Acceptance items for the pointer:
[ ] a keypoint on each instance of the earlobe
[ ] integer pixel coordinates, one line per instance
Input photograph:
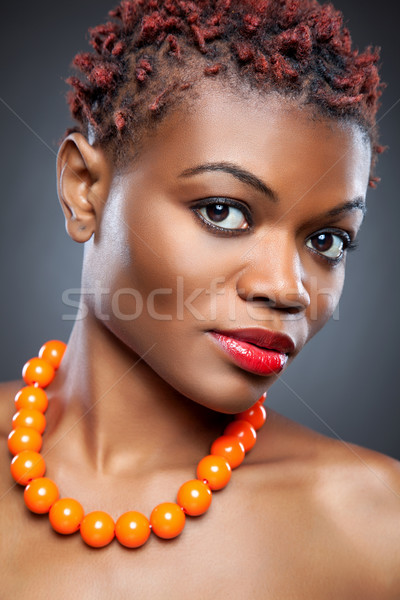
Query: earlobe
(83, 182)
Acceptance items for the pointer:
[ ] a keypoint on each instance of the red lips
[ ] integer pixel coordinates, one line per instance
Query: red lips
(256, 350)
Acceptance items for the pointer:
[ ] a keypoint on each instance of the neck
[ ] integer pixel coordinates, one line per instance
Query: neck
(108, 402)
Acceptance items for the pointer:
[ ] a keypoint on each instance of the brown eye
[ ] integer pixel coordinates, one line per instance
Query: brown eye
(224, 215)
(217, 212)
(327, 243)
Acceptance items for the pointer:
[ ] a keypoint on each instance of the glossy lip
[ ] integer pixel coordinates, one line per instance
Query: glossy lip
(255, 350)
(264, 338)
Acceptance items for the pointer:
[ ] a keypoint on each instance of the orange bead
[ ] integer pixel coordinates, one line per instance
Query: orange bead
(216, 470)
(24, 438)
(263, 398)
(231, 448)
(167, 520)
(29, 417)
(27, 465)
(97, 529)
(40, 494)
(194, 497)
(66, 515)
(132, 529)
(52, 352)
(39, 371)
(256, 415)
(31, 397)
(244, 431)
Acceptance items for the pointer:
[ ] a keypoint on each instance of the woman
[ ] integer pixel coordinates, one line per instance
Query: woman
(217, 177)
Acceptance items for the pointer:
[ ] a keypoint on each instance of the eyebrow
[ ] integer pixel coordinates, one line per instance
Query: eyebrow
(250, 179)
(357, 203)
(242, 174)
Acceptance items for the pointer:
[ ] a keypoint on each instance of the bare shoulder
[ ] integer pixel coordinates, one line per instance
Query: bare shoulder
(351, 496)
(358, 477)
(333, 463)
(361, 489)
(368, 481)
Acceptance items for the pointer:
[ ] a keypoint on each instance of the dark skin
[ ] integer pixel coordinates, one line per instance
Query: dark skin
(304, 516)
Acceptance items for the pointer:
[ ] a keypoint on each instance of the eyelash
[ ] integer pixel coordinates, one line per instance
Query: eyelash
(348, 244)
(223, 201)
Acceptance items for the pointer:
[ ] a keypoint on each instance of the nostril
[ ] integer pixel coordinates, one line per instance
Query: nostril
(272, 291)
(292, 310)
(263, 301)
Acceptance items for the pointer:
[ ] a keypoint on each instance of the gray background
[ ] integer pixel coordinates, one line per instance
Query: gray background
(344, 383)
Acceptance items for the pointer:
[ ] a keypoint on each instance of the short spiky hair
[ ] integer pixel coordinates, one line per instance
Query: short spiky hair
(153, 51)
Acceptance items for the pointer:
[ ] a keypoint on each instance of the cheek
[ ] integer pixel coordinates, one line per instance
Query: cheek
(161, 268)
(179, 259)
(162, 300)
(325, 292)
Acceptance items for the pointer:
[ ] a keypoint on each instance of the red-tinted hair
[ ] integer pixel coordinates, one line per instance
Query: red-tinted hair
(152, 51)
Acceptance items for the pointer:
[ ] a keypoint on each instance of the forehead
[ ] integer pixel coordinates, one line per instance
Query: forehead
(290, 147)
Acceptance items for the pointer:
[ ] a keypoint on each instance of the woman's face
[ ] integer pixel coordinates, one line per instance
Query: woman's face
(236, 215)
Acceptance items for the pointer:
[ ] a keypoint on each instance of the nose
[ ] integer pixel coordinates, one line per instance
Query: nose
(274, 274)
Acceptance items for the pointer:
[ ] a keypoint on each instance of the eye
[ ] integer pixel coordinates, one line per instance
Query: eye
(223, 215)
(330, 244)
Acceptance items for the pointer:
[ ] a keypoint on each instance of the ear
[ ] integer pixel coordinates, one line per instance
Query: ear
(84, 176)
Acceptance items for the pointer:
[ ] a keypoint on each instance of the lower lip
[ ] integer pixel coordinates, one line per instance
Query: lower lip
(251, 358)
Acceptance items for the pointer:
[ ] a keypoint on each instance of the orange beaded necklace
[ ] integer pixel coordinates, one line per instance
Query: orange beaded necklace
(97, 528)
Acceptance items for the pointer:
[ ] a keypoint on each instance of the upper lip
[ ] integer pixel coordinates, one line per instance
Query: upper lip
(265, 338)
